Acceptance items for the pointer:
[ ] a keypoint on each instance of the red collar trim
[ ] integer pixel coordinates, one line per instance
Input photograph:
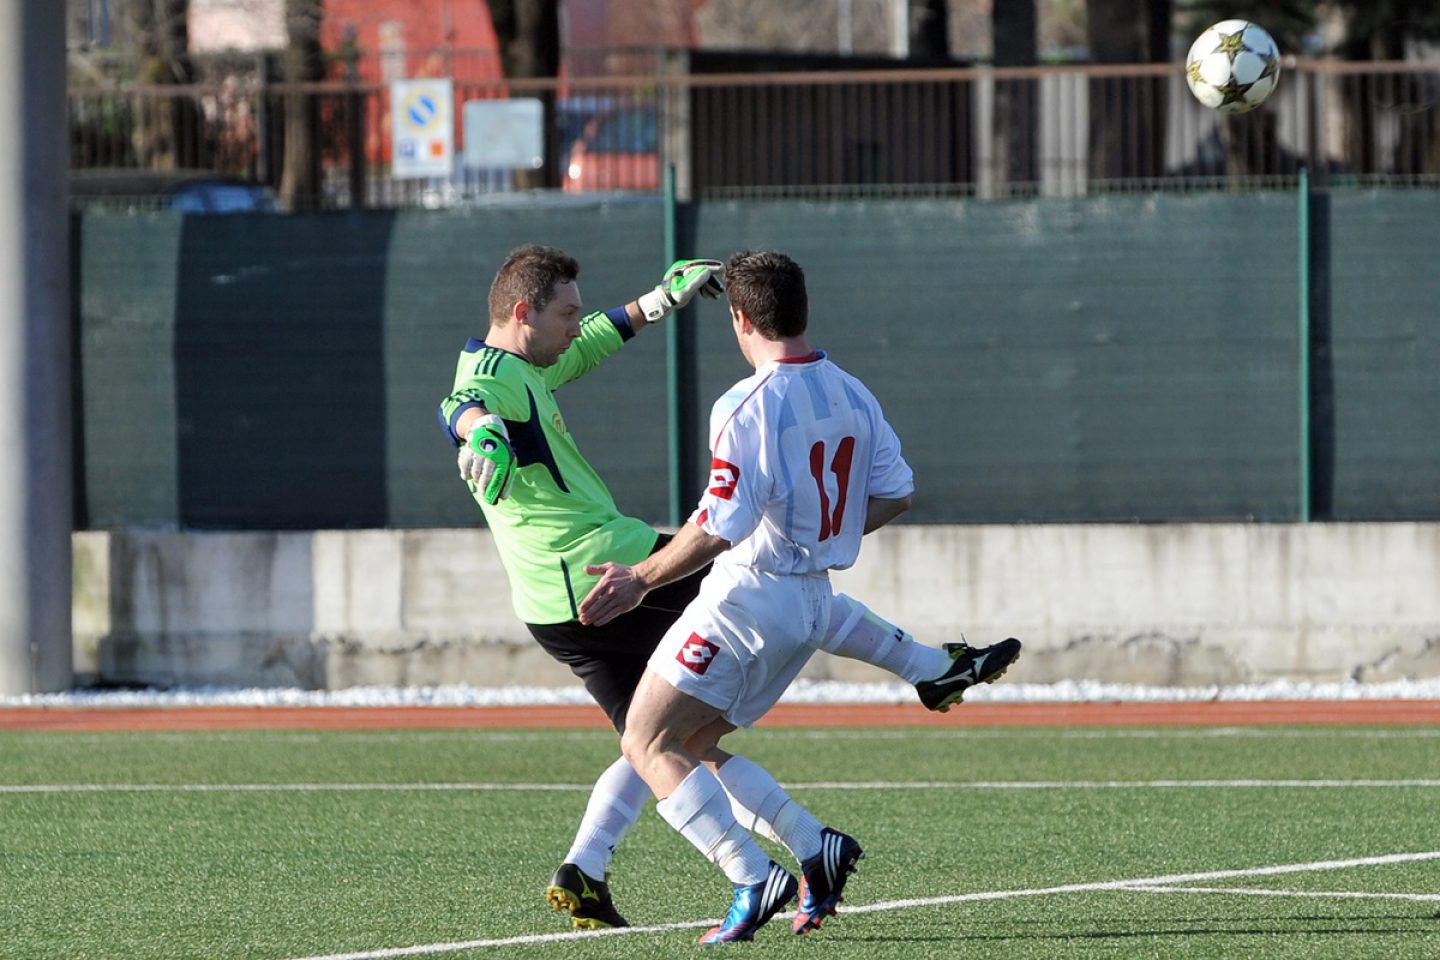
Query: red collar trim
(808, 358)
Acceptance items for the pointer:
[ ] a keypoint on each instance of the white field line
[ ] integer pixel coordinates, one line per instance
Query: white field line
(1317, 894)
(291, 787)
(1140, 884)
(1245, 784)
(1110, 784)
(456, 946)
(1165, 881)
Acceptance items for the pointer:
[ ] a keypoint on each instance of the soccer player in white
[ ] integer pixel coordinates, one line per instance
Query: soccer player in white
(803, 465)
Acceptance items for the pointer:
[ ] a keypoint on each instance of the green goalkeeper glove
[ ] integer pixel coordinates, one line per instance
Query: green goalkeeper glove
(681, 282)
(487, 460)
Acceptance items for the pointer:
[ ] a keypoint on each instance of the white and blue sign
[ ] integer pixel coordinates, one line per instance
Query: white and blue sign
(422, 118)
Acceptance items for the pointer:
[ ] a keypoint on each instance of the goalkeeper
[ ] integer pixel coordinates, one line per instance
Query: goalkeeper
(551, 516)
(550, 513)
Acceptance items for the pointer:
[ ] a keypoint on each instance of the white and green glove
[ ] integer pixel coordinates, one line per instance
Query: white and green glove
(681, 282)
(487, 459)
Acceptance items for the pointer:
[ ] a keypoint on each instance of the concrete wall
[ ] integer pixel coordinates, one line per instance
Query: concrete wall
(1156, 604)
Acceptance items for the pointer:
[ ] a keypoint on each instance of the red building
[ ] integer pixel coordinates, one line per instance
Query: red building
(404, 38)
(455, 38)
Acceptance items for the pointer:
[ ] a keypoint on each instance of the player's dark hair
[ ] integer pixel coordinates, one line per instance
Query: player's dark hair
(530, 273)
(769, 288)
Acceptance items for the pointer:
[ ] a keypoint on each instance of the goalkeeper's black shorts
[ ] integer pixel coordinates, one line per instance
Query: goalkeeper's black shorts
(609, 660)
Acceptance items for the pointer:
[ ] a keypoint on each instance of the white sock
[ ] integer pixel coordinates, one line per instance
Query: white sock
(615, 804)
(700, 810)
(762, 806)
(858, 634)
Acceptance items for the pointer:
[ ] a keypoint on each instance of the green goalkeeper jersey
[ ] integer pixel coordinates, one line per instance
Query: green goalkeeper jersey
(559, 515)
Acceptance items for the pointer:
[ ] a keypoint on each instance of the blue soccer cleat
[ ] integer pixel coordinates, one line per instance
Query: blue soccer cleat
(753, 906)
(823, 879)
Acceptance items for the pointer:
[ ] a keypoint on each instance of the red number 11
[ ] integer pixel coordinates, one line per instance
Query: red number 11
(840, 466)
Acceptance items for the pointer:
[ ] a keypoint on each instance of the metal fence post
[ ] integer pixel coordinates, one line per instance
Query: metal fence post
(673, 406)
(36, 509)
(355, 133)
(1304, 338)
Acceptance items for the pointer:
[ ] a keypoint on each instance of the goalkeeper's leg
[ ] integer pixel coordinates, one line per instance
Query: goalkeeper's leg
(579, 885)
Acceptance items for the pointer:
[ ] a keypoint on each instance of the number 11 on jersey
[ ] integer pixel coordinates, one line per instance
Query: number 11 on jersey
(840, 468)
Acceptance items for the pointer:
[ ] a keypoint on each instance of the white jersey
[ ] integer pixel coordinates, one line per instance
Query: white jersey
(798, 449)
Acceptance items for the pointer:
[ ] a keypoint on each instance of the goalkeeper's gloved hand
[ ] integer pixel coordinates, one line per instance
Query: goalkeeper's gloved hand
(681, 282)
(487, 459)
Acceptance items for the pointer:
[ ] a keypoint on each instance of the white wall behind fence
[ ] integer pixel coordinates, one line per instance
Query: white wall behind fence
(1186, 605)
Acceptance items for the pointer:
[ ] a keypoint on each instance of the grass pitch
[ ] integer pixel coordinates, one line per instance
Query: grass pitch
(1260, 842)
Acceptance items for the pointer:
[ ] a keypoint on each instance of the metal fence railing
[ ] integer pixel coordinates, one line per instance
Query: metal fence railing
(1053, 131)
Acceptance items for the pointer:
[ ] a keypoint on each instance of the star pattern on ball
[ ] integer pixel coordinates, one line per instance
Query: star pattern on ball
(1232, 92)
(1231, 44)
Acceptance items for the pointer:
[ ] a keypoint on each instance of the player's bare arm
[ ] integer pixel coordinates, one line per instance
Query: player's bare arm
(879, 511)
(621, 588)
(636, 316)
(466, 420)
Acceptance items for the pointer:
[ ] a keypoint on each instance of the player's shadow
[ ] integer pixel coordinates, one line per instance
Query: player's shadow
(1349, 925)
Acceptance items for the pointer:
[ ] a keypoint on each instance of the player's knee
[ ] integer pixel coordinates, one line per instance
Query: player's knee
(702, 746)
(640, 745)
(704, 743)
(632, 746)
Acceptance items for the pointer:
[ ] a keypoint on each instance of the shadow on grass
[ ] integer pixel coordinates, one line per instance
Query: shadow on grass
(1283, 926)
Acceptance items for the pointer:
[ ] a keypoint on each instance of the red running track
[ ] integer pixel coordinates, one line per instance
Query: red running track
(1209, 714)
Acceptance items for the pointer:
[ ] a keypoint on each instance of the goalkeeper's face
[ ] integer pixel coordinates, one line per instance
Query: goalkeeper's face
(551, 330)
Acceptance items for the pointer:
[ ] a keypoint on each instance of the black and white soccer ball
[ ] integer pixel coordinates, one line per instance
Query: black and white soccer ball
(1233, 66)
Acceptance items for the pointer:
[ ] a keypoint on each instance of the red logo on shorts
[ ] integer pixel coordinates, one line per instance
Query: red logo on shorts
(723, 477)
(697, 653)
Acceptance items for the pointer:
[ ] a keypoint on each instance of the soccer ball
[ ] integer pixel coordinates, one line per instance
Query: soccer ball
(1233, 66)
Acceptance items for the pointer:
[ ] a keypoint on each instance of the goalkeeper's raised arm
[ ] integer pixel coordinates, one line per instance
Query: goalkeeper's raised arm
(513, 450)
(596, 341)
(535, 315)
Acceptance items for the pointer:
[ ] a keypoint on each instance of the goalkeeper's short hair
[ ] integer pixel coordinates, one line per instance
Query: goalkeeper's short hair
(529, 274)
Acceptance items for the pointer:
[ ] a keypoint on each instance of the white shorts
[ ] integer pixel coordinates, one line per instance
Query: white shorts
(741, 642)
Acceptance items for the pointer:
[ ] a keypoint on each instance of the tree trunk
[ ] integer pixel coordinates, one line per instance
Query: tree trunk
(1157, 88)
(1378, 32)
(1381, 30)
(1013, 28)
(1158, 26)
(528, 32)
(930, 29)
(1250, 144)
(304, 63)
(1127, 115)
(169, 133)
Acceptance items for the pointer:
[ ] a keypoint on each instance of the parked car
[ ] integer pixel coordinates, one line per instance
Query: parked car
(185, 191)
(617, 150)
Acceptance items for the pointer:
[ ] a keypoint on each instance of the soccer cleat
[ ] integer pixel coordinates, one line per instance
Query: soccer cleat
(823, 879)
(753, 906)
(586, 899)
(968, 667)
